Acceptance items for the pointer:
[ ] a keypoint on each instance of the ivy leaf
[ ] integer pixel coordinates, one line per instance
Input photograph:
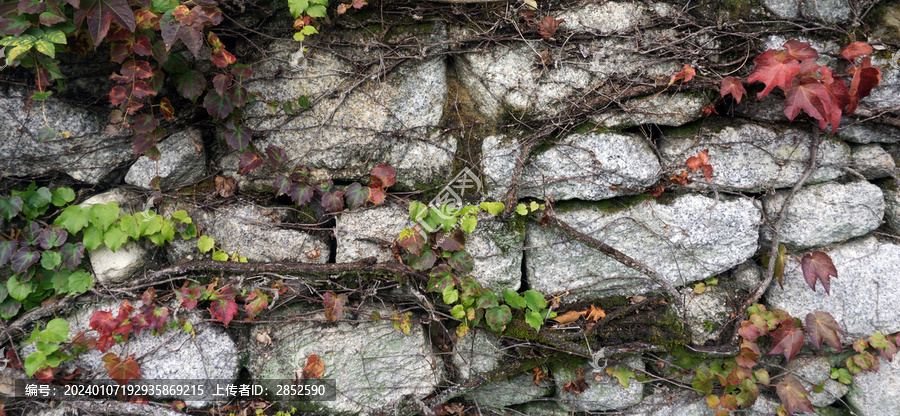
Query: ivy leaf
(122, 371)
(238, 137)
(62, 196)
(514, 299)
(24, 258)
(334, 306)
(314, 368)
(73, 219)
(800, 50)
(103, 322)
(865, 78)
(493, 208)
(166, 109)
(71, 255)
(383, 176)
(190, 84)
(7, 249)
(486, 301)
(809, 95)
(144, 123)
(301, 194)
(221, 82)
(223, 307)
(498, 317)
(822, 327)
(114, 238)
(51, 237)
(282, 185)
(788, 340)
(356, 195)
(548, 26)
(748, 355)
(276, 155)
(172, 30)
(449, 242)
(30, 234)
(248, 162)
(535, 300)
(424, 261)
(411, 240)
(80, 281)
(441, 279)
(50, 259)
(222, 58)
(534, 318)
(417, 211)
(255, 303)
(217, 105)
(855, 50)
(818, 266)
(333, 201)
(461, 261)
(883, 345)
(10, 207)
(100, 13)
(774, 70)
(793, 395)
(18, 290)
(188, 296)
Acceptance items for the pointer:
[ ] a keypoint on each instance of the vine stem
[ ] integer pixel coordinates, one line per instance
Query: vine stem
(779, 221)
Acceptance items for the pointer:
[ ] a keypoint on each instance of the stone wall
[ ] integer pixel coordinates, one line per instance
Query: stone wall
(584, 122)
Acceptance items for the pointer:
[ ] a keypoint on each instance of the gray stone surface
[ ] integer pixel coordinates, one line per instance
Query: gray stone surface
(498, 160)
(109, 266)
(815, 371)
(603, 394)
(88, 154)
(872, 161)
(708, 312)
(668, 402)
(874, 394)
(829, 11)
(514, 390)
(345, 135)
(513, 79)
(865, 295)
(372, 364)
(752, 157)
(498, 249)
(783, 9)
(662, 109)
(173, 355)
(868, 133)
(687, 239)
(478, 352)
(887, 93)
(591, 166)
(369, 232)
(892, 206)
(611, 17)
(181, 162)
(826, 213)
(243, 229)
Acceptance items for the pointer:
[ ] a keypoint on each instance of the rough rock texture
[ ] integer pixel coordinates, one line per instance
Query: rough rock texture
(877, 393)
(117, 266)
(182, 161)
(514, 390)
(868, 133)
(892, 206)
(606, 394)
(344, 136)
(209, 354)
(591, 166)
(88, 154)
(243, 229)
(865, 296)
(498, 159)
(372, 364)
(826, 213)
(753, 157)
(369, 232)
(663, 110)
(815, 371)
(506, 79)
(887, 94)
(708, 312)
(688, 239)
(498, 249)
(784, 9)
(830, 11)
(666, 402)
(872, 161)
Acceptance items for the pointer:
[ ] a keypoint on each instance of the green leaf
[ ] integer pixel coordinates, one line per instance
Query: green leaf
(57, 331)
(205, 243)
(309, 29)
(535, 300)
(514, 299)
(442, 217)
(45, 48)
(534, 206)
(622, 374)
(486, 301)
(9, 308)
(417, 211)
(38, 200)
(18, 290)
(23, 40)
(458, 312)
(103, 215)
(114, 238)
(34, 362)
(316, 11)
(10, 207)
(50, 259)
(41, 96)
(219, 255)
(80, 282)
(62, 196)
(130, 227)
(521, 209)
(73, 219)
(148, 222)
(93, 237)
(841, 375)
(297, 7)
(450, 295)
(16, 52)
(468, 224)
(162, 6)
(534, 319)
(498, 317)
(425, 261)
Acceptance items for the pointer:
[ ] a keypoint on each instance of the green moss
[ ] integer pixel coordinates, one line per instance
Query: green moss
(589, 127)
(612, 302)
(737, 9)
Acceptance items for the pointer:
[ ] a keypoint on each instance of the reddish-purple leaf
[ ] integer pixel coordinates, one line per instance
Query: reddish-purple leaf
(809, 95)
(143, 143)
(821, 326)
(800, 50)
(190, 84)
(788, 340)
(248, 162)
(818, 266)
(223, 310)
(23, 258)
(30, 234)
(241, 72)
(221, 82)
(383, 176)
(793, 395)
(144, 123)
(334, 306)
(333, 201)
(100, 13)
(412, 241)
(255, 303)
(376, 195)
(222, 58)
(276, 155)
(103, 322)
(136, 69)
(356, 195)
(449, 242)
(217, 105)
(733, 86)
(71, 255)
(301, 194)
(855, 50)
(52, 236)
(461, 261)
(238, 137)
(122, 371)
(119, 52)
(282, 185)
(237, 96)
(423, 261)
(173, 30)
(149, 296)
(142, 46)
(748, 355)
(117, 95)
(188, 296)
(166, 108)
(7, 249)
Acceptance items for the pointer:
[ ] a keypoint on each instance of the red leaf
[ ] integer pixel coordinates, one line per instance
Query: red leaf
(46, 374)
(217, 105)
(376, 195)
(146, 19)
(793, 395)
(383, 176)
(166, 108)
(105, 342)
(100, 13)
(808, 67)
(144, 123)
(122, 371)
(255, 303)
(694, 162)
(173, 30)
(342, 8)
(143, 143)
(800, 50)
(788, 340)
(774, 70)
(314, 368)
(334, 306)
(855, 50)
(821, 326)
(222, 58)
(809, 95)
(103, 322)
(686, 74)
(412, 241)
(248, 162)
(117, 95)
(143, 47)
(818, 266)
(748, 355)
(548, 26)
(140, 89)
(136, 69)
(221, 82)
(223, 307)
(865, 78)
(188, 296)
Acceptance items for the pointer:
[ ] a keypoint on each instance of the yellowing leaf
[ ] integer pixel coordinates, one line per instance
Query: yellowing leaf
(569, 317)
(596, 313)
